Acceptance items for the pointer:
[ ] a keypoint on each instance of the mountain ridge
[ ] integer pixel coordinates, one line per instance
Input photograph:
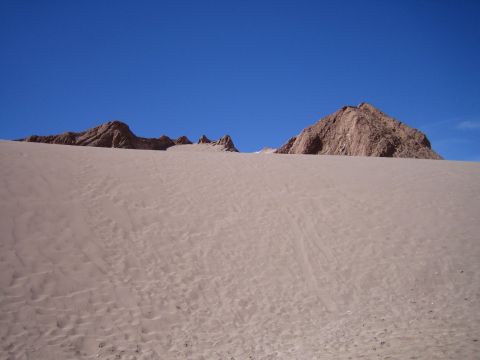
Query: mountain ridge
(361, 130)
(117, 134)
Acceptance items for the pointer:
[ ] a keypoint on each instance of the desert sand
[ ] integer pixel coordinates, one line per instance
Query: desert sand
(198, 148)
(137, 254)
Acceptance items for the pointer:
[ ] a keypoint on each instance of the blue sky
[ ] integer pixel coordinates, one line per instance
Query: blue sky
(258, 70)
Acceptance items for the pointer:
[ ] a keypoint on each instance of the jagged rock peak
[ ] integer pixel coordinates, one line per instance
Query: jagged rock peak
(361, 130)
(183, 140)
(204, 140)
(227, 142)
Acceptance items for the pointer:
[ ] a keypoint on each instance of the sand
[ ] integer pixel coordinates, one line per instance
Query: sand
(133, 254)
(197, 148)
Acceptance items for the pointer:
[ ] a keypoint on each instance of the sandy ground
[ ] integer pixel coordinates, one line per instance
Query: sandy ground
(197, 148)
(130, 254)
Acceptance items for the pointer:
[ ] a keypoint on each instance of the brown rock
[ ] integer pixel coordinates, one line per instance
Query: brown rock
(360, 131)
(117, 134)
(114, 134)
(183, 140)
(227, 142)
(204, 140)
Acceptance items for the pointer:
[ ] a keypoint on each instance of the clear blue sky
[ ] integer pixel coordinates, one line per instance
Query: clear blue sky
(258, 70)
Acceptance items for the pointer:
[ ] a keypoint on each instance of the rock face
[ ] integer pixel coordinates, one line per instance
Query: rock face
(183, 140)
(114, 134)
(117, 134)
(204, 140)
(360, 131)
(226, 142)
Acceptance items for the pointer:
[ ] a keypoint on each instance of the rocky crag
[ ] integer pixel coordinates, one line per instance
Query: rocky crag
(360, 131)
(116, 134)
(353, 130)
(225, 141)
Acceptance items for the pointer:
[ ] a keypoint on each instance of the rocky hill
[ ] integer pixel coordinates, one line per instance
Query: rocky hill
(353, 130)
(226, 142)
(117, 134)
(360, 131)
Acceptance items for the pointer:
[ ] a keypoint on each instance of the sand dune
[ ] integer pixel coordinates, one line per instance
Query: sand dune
(132, 254)
(198, 148)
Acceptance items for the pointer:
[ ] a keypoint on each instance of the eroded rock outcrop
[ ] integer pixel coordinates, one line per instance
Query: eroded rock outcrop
(204, 140)
(183, 140)
(225, 142)
(117, 134)
(114, 134)
(360, 131)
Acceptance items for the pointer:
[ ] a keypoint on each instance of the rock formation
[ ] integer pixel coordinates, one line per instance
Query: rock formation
(204, 140)
(117, 134)
(360, 131)
(114, 134)
(353, 130)
(183, 140)
(225, 141)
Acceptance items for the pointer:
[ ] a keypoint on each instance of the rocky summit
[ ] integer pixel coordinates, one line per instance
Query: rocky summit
(183, 140)
(204, 140)
(227, 142)
(360, 131)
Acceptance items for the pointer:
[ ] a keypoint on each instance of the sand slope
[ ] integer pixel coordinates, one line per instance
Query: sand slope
(198, 148)
(131, 254)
